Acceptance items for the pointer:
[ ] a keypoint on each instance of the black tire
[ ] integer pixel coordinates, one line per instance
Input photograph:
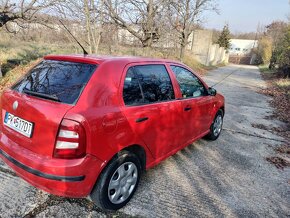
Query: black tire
(212, 135)
(100, 193)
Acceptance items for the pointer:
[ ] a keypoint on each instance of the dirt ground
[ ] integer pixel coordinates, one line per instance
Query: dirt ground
(229, 177)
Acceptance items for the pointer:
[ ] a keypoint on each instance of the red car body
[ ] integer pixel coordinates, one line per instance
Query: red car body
(109, 126)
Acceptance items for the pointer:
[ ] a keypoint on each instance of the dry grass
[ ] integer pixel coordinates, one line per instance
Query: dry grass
(15, 74)
(283, 83)
(16, 57)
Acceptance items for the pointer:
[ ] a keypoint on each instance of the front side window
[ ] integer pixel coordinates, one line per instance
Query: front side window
(147, 84)
(190, 85)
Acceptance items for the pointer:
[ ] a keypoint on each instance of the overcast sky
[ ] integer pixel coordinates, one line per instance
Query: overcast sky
(245, 15)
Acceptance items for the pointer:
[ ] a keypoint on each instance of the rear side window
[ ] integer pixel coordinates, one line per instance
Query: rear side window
(57, 80)
(190, 85)
(147, 84)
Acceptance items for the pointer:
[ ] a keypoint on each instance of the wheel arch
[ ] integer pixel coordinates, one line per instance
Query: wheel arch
(139, 151)
(222, 108)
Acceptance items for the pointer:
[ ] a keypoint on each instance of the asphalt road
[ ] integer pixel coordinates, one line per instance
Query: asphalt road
(229, 177)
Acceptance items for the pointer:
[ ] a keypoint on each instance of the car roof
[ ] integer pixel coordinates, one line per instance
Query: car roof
(101, 59)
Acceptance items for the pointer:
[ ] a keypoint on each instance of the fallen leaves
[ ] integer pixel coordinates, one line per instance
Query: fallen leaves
(281, 131)
(279, 162)
(279, 89)
(283, 149)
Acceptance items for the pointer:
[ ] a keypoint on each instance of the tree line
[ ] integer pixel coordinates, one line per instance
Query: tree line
(147, 20)
(274, 46)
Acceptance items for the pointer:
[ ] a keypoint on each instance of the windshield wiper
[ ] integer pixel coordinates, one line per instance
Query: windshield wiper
(42, 95)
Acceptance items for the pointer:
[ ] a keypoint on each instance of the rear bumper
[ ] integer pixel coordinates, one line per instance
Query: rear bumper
(69, 178)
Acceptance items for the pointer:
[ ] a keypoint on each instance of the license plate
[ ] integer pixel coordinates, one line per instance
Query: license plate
(22, 126)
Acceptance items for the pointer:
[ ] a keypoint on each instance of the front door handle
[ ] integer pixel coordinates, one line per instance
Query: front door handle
(187, 108)
(139, 120)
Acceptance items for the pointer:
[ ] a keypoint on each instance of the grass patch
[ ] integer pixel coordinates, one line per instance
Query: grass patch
(15, 74)
(265, 69)
(22, 53)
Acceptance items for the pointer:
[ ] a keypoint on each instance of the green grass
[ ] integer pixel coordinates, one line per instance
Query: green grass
(265, 69)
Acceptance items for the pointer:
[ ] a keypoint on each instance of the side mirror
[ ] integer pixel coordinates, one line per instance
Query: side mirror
(211, 91)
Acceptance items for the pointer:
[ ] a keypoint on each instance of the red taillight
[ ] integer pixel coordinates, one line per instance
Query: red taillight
(71, 140)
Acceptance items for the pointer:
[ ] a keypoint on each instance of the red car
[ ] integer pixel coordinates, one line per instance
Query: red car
(80, 126)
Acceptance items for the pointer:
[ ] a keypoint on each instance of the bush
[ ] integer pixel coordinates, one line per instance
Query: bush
(283, 59)
(264, 51)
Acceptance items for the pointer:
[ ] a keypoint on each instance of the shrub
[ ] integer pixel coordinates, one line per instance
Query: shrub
(264, 51)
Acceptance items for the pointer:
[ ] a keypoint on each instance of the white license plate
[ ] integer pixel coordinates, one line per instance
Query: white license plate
(22, 126)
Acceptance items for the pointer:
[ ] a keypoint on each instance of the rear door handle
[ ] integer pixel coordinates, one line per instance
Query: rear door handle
(141, 119)
(187, 109)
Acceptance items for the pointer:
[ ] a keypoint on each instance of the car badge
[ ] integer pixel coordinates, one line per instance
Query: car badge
(15, 105)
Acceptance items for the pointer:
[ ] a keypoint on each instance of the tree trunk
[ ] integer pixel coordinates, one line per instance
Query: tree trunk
(147, 42)
(181, 55)
(88, 24)
(100, 27)
(150, 24)
(183, 44)
(1, 75)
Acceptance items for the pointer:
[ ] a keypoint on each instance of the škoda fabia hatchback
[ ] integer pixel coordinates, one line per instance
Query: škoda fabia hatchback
(80, 126)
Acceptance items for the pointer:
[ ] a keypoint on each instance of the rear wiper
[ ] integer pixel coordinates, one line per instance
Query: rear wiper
(42, 95)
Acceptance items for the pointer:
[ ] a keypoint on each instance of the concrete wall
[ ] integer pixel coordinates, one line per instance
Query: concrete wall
(200, 45)
(205, 51)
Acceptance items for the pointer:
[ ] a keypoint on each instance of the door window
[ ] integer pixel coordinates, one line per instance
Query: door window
(147, 84)
(190, 85)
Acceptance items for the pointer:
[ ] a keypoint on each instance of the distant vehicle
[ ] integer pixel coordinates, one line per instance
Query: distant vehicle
(80, 126)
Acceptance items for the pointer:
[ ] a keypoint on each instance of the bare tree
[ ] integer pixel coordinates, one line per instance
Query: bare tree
(276, 31)
(141, 18)
(24, 11)
(185, 15)
(87, 14)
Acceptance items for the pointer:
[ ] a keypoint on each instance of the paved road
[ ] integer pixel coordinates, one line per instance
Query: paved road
(228, 177)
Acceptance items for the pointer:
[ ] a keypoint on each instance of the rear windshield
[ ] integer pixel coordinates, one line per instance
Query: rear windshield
(56, 80)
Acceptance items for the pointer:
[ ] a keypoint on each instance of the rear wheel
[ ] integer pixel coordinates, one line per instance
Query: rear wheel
(118, 182)
(216, 126)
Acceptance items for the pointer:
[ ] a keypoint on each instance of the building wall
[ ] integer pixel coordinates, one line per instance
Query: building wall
(241, 51)
(242, 46)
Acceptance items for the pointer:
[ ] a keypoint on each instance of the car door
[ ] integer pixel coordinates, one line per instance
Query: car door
(195, 102)
(150, 107)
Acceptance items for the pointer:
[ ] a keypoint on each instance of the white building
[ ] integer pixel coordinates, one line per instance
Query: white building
(242, 46)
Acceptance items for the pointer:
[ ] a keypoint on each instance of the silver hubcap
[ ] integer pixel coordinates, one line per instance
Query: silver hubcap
(217, 125)
(122, 183)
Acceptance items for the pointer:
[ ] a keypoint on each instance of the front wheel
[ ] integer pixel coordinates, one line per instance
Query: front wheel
(216, 126)
(118, 182)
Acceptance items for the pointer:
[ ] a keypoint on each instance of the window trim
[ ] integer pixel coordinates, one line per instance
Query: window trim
(204, 86)
(125, 71)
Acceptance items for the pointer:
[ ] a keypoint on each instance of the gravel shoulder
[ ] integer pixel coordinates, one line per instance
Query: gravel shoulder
(229, 177)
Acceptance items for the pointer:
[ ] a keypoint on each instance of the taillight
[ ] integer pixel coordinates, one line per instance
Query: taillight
(71, 140)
